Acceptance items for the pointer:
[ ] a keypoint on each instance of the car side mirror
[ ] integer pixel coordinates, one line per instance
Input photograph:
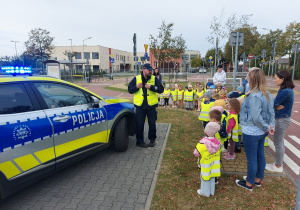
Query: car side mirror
(95, 102)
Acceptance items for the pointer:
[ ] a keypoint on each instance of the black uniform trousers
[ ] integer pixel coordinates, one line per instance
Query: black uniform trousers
(140, 116)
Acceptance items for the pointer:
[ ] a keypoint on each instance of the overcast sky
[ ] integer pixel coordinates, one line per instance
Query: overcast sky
(113, 23)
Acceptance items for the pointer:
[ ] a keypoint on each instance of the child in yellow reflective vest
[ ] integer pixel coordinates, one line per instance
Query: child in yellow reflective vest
(234, 109)
(166, 96)
(174, 95)
(208, 148)
(238, 145)
(200, 93)
(205, 107)
(195, 103)
(188, 97)
(161, 97)
(180, 96)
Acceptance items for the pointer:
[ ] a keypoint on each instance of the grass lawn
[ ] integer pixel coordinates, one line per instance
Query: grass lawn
(179, 180)
(116, 89)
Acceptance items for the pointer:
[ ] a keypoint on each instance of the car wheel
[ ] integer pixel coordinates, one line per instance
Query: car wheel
(121, 138)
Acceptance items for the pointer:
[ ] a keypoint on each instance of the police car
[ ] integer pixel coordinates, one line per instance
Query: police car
(47, 124)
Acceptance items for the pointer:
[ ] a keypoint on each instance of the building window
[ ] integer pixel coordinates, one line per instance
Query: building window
(185, 57)
(87, 55)
(193, 56)
(77, 55)
(95, 55)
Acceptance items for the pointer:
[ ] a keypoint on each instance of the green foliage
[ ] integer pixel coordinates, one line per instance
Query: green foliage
(39, 43)
(196, 62)
(165, 47)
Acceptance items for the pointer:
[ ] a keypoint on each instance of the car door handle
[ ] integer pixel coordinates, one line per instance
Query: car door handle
(61, 118)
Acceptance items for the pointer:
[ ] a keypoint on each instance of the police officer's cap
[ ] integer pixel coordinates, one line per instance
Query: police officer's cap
(147, 66)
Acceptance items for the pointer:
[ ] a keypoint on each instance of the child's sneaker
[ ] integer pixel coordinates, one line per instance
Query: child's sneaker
(224, 150)
(258, 184)
(229, 157)
(199, 193)
(242, 184)
(198, 110)
(216, 180)
(237, 150)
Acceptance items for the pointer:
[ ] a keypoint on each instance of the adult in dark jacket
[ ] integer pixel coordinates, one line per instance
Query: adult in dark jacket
(157, 74)
(145, 88)
(283, 105)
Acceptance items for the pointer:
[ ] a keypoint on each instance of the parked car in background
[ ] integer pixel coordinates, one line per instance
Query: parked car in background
(202, 70)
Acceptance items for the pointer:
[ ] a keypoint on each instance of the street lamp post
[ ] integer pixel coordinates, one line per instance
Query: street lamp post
(15, 47)
(71, 59)
(84, 77)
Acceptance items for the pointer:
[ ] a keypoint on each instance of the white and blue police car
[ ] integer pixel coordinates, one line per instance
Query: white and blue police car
(47, 124)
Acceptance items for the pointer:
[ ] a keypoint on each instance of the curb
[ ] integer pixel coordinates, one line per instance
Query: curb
(152, 188)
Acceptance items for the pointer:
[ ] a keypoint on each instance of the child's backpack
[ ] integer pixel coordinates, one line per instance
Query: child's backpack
(223, 131)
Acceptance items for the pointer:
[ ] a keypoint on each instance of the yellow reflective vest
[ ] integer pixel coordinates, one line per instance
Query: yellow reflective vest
(234, 133)
(174, 95)
(204, 114)
(210, 163)
(138, 96)
(180, 93)
(195, 95)
(166, 93)
(200, 93)
(188, 95)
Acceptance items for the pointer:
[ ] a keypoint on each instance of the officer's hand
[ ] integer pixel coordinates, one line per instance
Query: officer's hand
(139, 85)
(147, 86)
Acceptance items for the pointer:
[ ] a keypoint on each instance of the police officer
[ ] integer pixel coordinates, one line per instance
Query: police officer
(145, 88)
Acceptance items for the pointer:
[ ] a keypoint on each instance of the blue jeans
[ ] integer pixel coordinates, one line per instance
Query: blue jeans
(256, 162)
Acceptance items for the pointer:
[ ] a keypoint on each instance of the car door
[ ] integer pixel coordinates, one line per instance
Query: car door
(77, 126)
(26, 138)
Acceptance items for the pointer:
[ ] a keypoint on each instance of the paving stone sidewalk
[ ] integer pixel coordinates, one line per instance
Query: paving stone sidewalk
(106, 180)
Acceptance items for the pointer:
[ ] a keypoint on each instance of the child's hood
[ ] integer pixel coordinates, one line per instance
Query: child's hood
(212, 144)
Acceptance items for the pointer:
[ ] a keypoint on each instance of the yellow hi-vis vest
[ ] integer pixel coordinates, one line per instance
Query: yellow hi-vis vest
(195, 95)
(210, 163)
(204, 114)
(234, 133)
(138, 96)
(200, 93)
(174, 95)
(166, 93)
(266, 141)
(180, 93)
(188, 95)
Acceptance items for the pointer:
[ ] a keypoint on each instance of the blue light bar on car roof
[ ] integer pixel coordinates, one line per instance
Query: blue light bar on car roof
(16, 70)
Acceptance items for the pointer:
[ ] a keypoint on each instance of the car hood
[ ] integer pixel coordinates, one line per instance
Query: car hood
(113, 100)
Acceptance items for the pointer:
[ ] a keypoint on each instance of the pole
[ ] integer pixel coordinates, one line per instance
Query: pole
(216, 54)
(295, 57)
(71, 60)
(236, 57)
(272, 70)
(243, 61)
(255, 61)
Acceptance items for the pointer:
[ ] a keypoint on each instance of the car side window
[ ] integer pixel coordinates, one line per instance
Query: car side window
(58, 95)
(14, 99)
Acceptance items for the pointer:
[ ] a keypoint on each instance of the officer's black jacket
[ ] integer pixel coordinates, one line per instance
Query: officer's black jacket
(158, 88)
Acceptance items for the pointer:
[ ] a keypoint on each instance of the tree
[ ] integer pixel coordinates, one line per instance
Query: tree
(196, 62)
(165, 47)
(39, 43)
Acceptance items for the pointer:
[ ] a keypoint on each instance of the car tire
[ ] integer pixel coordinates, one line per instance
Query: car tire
(121, 137)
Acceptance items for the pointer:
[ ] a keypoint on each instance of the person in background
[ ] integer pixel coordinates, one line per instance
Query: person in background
(200, 93)
(145, 88)
(166, 96)
(220, 76)
(180, 96)
(219, 87)
(173, 95)
(215, 96)
(207, 87)
(283, 105)
(238, 93)
(157, 74)
(195, 99)
(257, 120)
(208, 148)
(189, 97)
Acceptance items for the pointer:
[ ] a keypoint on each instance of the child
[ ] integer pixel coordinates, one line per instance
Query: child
(200, 93)
(180, 96)
(219, 87)
(205, 107)
(174, 96)
(215, 96)
(208, 149)
(208, 86)
(238, 93)
(195, 100)
(234, 109)
(161, 97)
(166, 96)
(189, 96)
(223, 94)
